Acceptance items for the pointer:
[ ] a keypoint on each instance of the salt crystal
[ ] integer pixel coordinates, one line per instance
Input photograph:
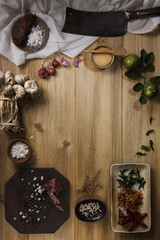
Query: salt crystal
(14, 218)
(42, 178)
(35, 37)
(22, 179)
(38, 219)
(32, 170)
(32, 195)
(35, 178)
(19, 150)
(20, 213)
(31, 137)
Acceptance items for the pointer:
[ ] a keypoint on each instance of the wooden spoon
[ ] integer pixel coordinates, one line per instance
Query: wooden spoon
(116, 51)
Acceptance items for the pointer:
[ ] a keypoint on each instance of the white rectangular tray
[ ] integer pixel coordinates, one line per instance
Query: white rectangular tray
(145, 208)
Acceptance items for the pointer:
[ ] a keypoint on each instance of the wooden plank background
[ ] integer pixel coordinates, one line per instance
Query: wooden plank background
(91, 119)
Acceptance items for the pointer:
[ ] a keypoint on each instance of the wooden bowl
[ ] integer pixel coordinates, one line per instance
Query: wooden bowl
(20, 160)
(107, 62)
(44, 27)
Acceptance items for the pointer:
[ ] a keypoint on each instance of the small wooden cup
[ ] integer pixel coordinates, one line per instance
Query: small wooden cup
(20, 160)
(107, 64)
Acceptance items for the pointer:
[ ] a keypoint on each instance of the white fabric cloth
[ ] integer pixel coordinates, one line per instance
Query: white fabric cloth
(53, 13)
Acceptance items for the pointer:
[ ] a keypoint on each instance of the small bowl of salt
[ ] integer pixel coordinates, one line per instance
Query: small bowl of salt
(19, 150)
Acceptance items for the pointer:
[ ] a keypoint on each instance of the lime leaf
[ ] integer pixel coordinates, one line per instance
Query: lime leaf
(149, 58)
(138, 87)
(149, 132)
(150, 68)
(133, 74)
(143, 55)
(155, 80)
(143, 100)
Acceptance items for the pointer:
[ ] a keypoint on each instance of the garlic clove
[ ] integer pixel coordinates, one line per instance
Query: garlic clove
(19, 90)
(32, 88)
(8, 74)
(8, 90)
(10, 80)
(26, 77)
(21, 79)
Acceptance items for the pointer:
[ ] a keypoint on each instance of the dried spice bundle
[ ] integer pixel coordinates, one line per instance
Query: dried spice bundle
(91, 185)
(9, 115)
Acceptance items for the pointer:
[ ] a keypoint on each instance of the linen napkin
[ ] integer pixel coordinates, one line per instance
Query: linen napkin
(53, 13)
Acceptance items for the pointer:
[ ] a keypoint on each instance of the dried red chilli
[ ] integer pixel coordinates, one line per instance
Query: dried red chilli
(131, 219)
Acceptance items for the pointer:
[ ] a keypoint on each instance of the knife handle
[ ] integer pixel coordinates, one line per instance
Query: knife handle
(144, 13)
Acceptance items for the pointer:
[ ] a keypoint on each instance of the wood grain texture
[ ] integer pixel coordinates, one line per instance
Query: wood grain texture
(91, 119)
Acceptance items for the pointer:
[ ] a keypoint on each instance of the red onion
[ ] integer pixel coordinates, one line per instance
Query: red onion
(52, 71)
(46, 74)
(77, 62)
(42, 72)
(64, 62)
(55, 63)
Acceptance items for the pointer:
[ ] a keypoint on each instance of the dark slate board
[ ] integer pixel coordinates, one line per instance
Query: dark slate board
(49, 218)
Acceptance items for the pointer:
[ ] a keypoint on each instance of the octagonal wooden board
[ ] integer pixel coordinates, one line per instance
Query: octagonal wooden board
(37, 214)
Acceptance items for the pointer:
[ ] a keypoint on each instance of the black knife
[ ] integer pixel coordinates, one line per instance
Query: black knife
(103, 24)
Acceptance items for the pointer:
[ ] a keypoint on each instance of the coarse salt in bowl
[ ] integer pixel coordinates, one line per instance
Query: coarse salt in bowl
(19, 150)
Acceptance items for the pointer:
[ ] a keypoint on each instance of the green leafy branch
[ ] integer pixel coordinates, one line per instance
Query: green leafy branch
(148, 89)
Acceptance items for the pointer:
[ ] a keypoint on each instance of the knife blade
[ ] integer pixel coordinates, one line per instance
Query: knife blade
(103, 24)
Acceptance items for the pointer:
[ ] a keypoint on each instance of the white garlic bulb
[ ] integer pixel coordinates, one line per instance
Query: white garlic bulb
(19, 90)
(2, 74)
(26, 76)
(8, 90)
(21, 79)
(8, 74)
(31, 87)
(10, 80)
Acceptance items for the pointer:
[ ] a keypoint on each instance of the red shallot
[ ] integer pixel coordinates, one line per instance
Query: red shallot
(51, 71)
(55, 63)
(43, 72)
(65, 63)
(77, 62)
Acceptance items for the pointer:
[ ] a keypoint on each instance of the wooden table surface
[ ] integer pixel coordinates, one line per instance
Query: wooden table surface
(91, 119)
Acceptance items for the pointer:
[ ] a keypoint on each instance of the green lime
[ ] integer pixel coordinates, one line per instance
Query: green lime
(131, 61)
(150, 90)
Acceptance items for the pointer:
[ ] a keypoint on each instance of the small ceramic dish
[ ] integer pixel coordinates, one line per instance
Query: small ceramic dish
(90, 210)
(14, 159)
(102, 60)
(144, 208)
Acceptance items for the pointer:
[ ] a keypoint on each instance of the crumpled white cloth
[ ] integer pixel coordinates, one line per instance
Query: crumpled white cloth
(53, 13)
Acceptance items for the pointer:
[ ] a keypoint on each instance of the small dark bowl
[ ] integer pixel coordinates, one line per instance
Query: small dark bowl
(95, 218)
(20, 160)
